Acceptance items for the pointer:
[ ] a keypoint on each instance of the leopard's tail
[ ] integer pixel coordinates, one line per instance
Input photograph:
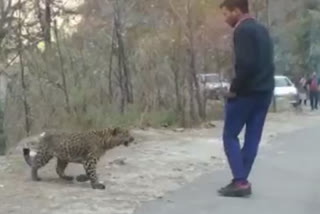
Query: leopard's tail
(26, 155)
(29, 154)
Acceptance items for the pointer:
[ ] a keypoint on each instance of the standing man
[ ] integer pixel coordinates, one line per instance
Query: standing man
(313, 86)
(250, 94)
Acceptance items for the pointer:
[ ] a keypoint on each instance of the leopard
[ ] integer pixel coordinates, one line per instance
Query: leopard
(84, 148)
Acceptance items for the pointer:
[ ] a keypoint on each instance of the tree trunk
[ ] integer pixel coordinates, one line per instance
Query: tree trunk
(191, 97)
(110, 66)
(177, 88)
(47, 29)
(121, 49)
(44, 16)
(62, 71)
(3, 141)
(26, 106)
(123, 94)
(198, 96)
(192, 69)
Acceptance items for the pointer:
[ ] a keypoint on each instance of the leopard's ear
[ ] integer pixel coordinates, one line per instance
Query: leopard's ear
(115, 131)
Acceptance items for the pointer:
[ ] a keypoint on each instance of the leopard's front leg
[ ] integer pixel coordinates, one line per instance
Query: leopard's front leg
(90, 166)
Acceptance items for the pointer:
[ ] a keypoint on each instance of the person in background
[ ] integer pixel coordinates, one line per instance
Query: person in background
(303, 90)
(313, 88)
(250, 94)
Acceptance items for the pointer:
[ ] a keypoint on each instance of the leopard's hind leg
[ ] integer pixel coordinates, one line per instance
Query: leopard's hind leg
(61, 166)
(40, 160)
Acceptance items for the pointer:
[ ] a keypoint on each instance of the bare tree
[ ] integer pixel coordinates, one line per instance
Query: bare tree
(8, 24)
(112, 52)
(45, 19)
(188, 27)
(6, 15)
(192, 52)
(126, 76)
(22, 76)
(177, 75)
(62, 70)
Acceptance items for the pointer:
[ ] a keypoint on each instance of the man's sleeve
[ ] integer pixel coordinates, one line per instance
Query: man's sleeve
(245, 57)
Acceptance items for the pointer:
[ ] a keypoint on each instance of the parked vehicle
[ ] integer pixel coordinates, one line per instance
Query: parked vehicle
(285, 93)
(284, 87)
(211, 84)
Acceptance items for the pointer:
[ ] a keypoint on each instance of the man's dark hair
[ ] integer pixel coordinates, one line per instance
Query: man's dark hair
(243, 5)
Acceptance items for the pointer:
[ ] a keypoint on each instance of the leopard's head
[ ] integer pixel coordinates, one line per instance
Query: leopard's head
(121, 136)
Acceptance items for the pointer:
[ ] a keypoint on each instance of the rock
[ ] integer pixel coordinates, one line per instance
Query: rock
(165, 125)
(119, 161)
(179, 130)
(37, 195)
(115, 177)
(158, 195)
(177, 169)
(212, 124)
(209, 125)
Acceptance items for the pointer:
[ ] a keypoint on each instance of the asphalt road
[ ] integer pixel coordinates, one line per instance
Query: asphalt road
(286, 180)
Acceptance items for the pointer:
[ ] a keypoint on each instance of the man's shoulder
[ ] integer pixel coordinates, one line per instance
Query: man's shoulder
(244, 28)
(250, 25)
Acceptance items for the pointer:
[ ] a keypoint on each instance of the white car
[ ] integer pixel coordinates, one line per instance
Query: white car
(211, 85)
(213, 81)
(284, 87)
